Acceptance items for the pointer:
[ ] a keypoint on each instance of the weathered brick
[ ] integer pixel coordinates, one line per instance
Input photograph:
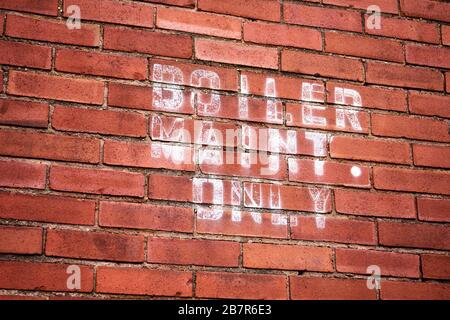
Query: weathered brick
(44, 208)
(426, 181)
(390, 263)
(315, 288)
(414, 235)
(146, 216)
(94, 245)
(321, 65)
(52, 31)
(158, 43)
(101, 64)
(96, 181)
(287, 257)
(262, 9)
(240, 286)
(120, 12)
(323, 17)
(49, 146)
(432, 209)
(99, 121)
(55, 87)
(333, 230)
(364, 203)
(144, 281)
(21, 174)
(236, 53)
(21, 275)
(193, 252)
(198, 22)
(20, 240)
(23, 113)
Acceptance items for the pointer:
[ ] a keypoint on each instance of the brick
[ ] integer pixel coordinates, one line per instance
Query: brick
(401, 290)
(428, 9)
(193, 252)
(28, 275)
(403, 76)
(20, 174)
(428, 56)
(142, 97)
(148, 155)
(429, 104)
(314, 288)
(389, 6)
(328, 172)
(161, 187)
(20, 240)
(287, 257)
(447, 81)
(55, 87)
(431, 209)
(144, 281)
(143, 41)
(316, 116)
(130, 96)
(371, 97)
(333, 230)
(198, 22)
(146, 216)
(43, 208)
(23, 113)
(94, 245)
(346, 147)
(101, 64)
(240, 286)
(284, 141)
(52, 31)
(230, 163)
(262, 9)
(99, 121)
(390, 263)
(410, 127)
(25, 55)
(362, 46)
(445, 35)
(181, 3)
(135, 14)
(414, 235)
(426, 181)
(271, 196)
(21, 297)
(49, 146)
(270, 226)
(447, 77)
(406, 29)
(431, 156)
(47, 7)
(286, 87)
(236, 53)
(436, 266)
(96, 181)
(282, 35)
(321, 65)
(362, 203)
(228, 76)
(322, 17)
(186, 130)
(2, 21)
(259, 110)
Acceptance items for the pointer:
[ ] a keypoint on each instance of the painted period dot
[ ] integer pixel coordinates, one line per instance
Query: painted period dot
(356, 171)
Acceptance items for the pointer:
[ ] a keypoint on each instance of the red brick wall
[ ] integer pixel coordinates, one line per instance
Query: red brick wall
(94, 174)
